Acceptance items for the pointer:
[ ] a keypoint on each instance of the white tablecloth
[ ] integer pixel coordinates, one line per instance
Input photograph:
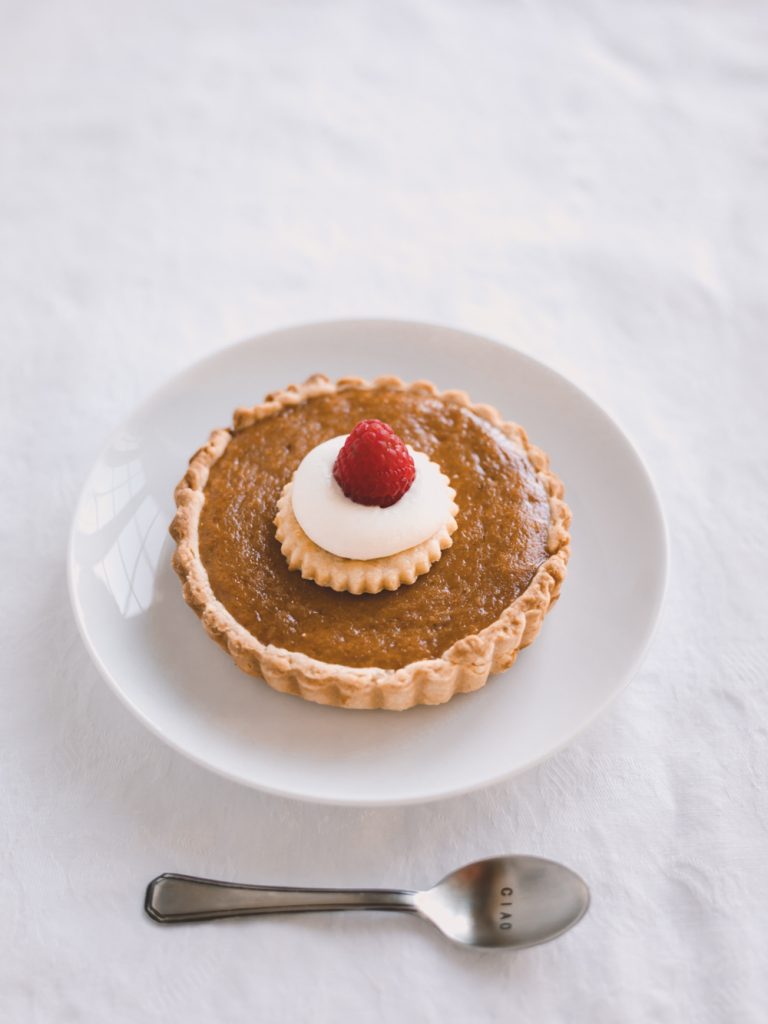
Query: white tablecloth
(587, 181)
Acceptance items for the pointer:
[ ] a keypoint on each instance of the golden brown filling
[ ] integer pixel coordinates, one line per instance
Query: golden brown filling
(501, 540)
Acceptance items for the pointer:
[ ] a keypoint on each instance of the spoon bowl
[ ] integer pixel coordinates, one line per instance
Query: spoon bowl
(506, 902)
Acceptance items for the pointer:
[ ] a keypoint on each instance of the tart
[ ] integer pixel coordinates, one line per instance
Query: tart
(413, 626)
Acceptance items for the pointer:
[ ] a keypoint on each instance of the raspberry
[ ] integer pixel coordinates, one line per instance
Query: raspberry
(374, 467)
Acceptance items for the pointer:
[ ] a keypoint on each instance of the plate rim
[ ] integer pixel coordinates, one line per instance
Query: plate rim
(398, 801)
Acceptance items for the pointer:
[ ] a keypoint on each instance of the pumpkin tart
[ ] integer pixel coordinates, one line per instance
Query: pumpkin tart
(464, 610)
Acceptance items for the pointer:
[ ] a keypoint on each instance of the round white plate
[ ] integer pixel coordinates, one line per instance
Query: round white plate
(152, 650)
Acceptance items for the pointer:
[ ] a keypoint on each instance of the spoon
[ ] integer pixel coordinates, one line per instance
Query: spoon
(502, 902)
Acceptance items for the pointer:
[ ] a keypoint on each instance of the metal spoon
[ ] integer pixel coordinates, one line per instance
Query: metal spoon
(502, 902)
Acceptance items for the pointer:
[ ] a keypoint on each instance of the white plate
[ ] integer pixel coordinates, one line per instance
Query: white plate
(152, 650)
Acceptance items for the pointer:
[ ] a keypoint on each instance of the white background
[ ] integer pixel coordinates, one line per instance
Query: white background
(587, 181)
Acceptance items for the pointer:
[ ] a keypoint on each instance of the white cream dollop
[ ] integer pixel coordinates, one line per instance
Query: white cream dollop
(349, 530)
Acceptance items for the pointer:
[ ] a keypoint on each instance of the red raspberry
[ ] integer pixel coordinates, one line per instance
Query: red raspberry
(374, 467)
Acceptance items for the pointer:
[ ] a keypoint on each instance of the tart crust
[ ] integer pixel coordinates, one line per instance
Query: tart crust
(354, 575)
(463, 667)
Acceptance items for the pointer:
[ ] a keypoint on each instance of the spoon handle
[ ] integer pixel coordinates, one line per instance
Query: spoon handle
(172, 898)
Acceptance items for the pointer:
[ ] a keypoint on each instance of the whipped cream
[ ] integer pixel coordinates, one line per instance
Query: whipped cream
(339, 525)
